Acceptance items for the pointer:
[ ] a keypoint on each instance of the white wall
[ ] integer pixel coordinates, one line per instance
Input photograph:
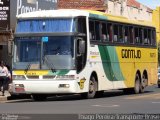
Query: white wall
(121, 9)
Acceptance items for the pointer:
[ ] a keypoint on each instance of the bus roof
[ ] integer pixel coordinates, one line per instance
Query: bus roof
(53, 14)
(75, 12)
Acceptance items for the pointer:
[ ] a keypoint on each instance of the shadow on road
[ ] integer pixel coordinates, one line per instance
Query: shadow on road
(76, 97)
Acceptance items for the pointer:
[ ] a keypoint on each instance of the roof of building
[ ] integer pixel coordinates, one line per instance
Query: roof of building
(82, 4)
(134, 3)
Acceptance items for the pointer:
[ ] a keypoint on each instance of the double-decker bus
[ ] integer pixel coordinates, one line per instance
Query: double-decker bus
(82, 51)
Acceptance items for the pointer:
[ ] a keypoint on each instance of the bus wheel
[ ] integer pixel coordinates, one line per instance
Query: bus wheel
(39, 97)
(92, 89)
(137, 84)
(143, 84)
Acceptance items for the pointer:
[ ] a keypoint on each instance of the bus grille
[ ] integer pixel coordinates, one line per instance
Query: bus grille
(32, 77)
(48, 77)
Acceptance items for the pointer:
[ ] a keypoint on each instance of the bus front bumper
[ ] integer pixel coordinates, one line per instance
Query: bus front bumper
(44, 87)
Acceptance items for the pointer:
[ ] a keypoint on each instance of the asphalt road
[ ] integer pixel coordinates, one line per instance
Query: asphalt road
(113, 102)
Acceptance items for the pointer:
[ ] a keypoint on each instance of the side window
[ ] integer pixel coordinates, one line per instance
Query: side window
(141, 34)
(92, 30)
(153, 39)
(136, 34)
(131, 34)
(82, 25)
(110, 31)
(104, 34)
(97, 30)
(121, 34)
(115, 31)
(147, 37)
(126, 34)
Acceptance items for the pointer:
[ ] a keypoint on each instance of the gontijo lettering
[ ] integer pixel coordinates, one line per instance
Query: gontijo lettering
(131, 53)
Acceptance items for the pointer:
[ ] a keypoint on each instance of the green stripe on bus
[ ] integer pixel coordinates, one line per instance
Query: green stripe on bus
(110, 63)
(97, 16)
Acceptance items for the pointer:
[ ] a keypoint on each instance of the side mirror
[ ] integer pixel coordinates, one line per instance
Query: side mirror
(10, 46)
(81, 46)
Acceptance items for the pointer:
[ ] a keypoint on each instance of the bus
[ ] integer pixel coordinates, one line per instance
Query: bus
(70, 51)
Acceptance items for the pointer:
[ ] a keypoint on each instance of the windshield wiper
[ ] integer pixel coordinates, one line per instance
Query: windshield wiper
(48, 63)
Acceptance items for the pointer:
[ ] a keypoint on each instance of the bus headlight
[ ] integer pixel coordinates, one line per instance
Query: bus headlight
(18, 77)
(65, 77)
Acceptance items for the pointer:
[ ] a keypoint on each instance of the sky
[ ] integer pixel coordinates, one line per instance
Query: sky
(150, 3)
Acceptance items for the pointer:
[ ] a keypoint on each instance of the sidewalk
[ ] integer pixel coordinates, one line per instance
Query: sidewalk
(4, 98)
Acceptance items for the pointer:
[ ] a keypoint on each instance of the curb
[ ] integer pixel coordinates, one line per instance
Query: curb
(8, 97)
(4, 98)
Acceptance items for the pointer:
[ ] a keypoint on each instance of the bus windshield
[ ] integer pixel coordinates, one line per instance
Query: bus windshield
(53, 52)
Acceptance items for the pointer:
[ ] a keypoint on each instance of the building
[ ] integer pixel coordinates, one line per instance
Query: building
(8, 11)
(127, 8)
(130, 9)
(82, 4)
(5, 31)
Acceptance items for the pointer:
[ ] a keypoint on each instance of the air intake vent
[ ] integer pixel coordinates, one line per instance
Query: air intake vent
(33, 77)
(48, 77)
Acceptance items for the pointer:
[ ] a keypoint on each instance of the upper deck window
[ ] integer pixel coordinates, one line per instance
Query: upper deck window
(46, 25)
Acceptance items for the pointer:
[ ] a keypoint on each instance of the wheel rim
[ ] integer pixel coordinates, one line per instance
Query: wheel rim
(91, 87)
(144, 81)
(137, 84)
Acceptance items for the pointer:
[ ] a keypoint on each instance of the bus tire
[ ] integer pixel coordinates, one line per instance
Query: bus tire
(39, 97)
(144, 83)
(92, 89)
(137, 84)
